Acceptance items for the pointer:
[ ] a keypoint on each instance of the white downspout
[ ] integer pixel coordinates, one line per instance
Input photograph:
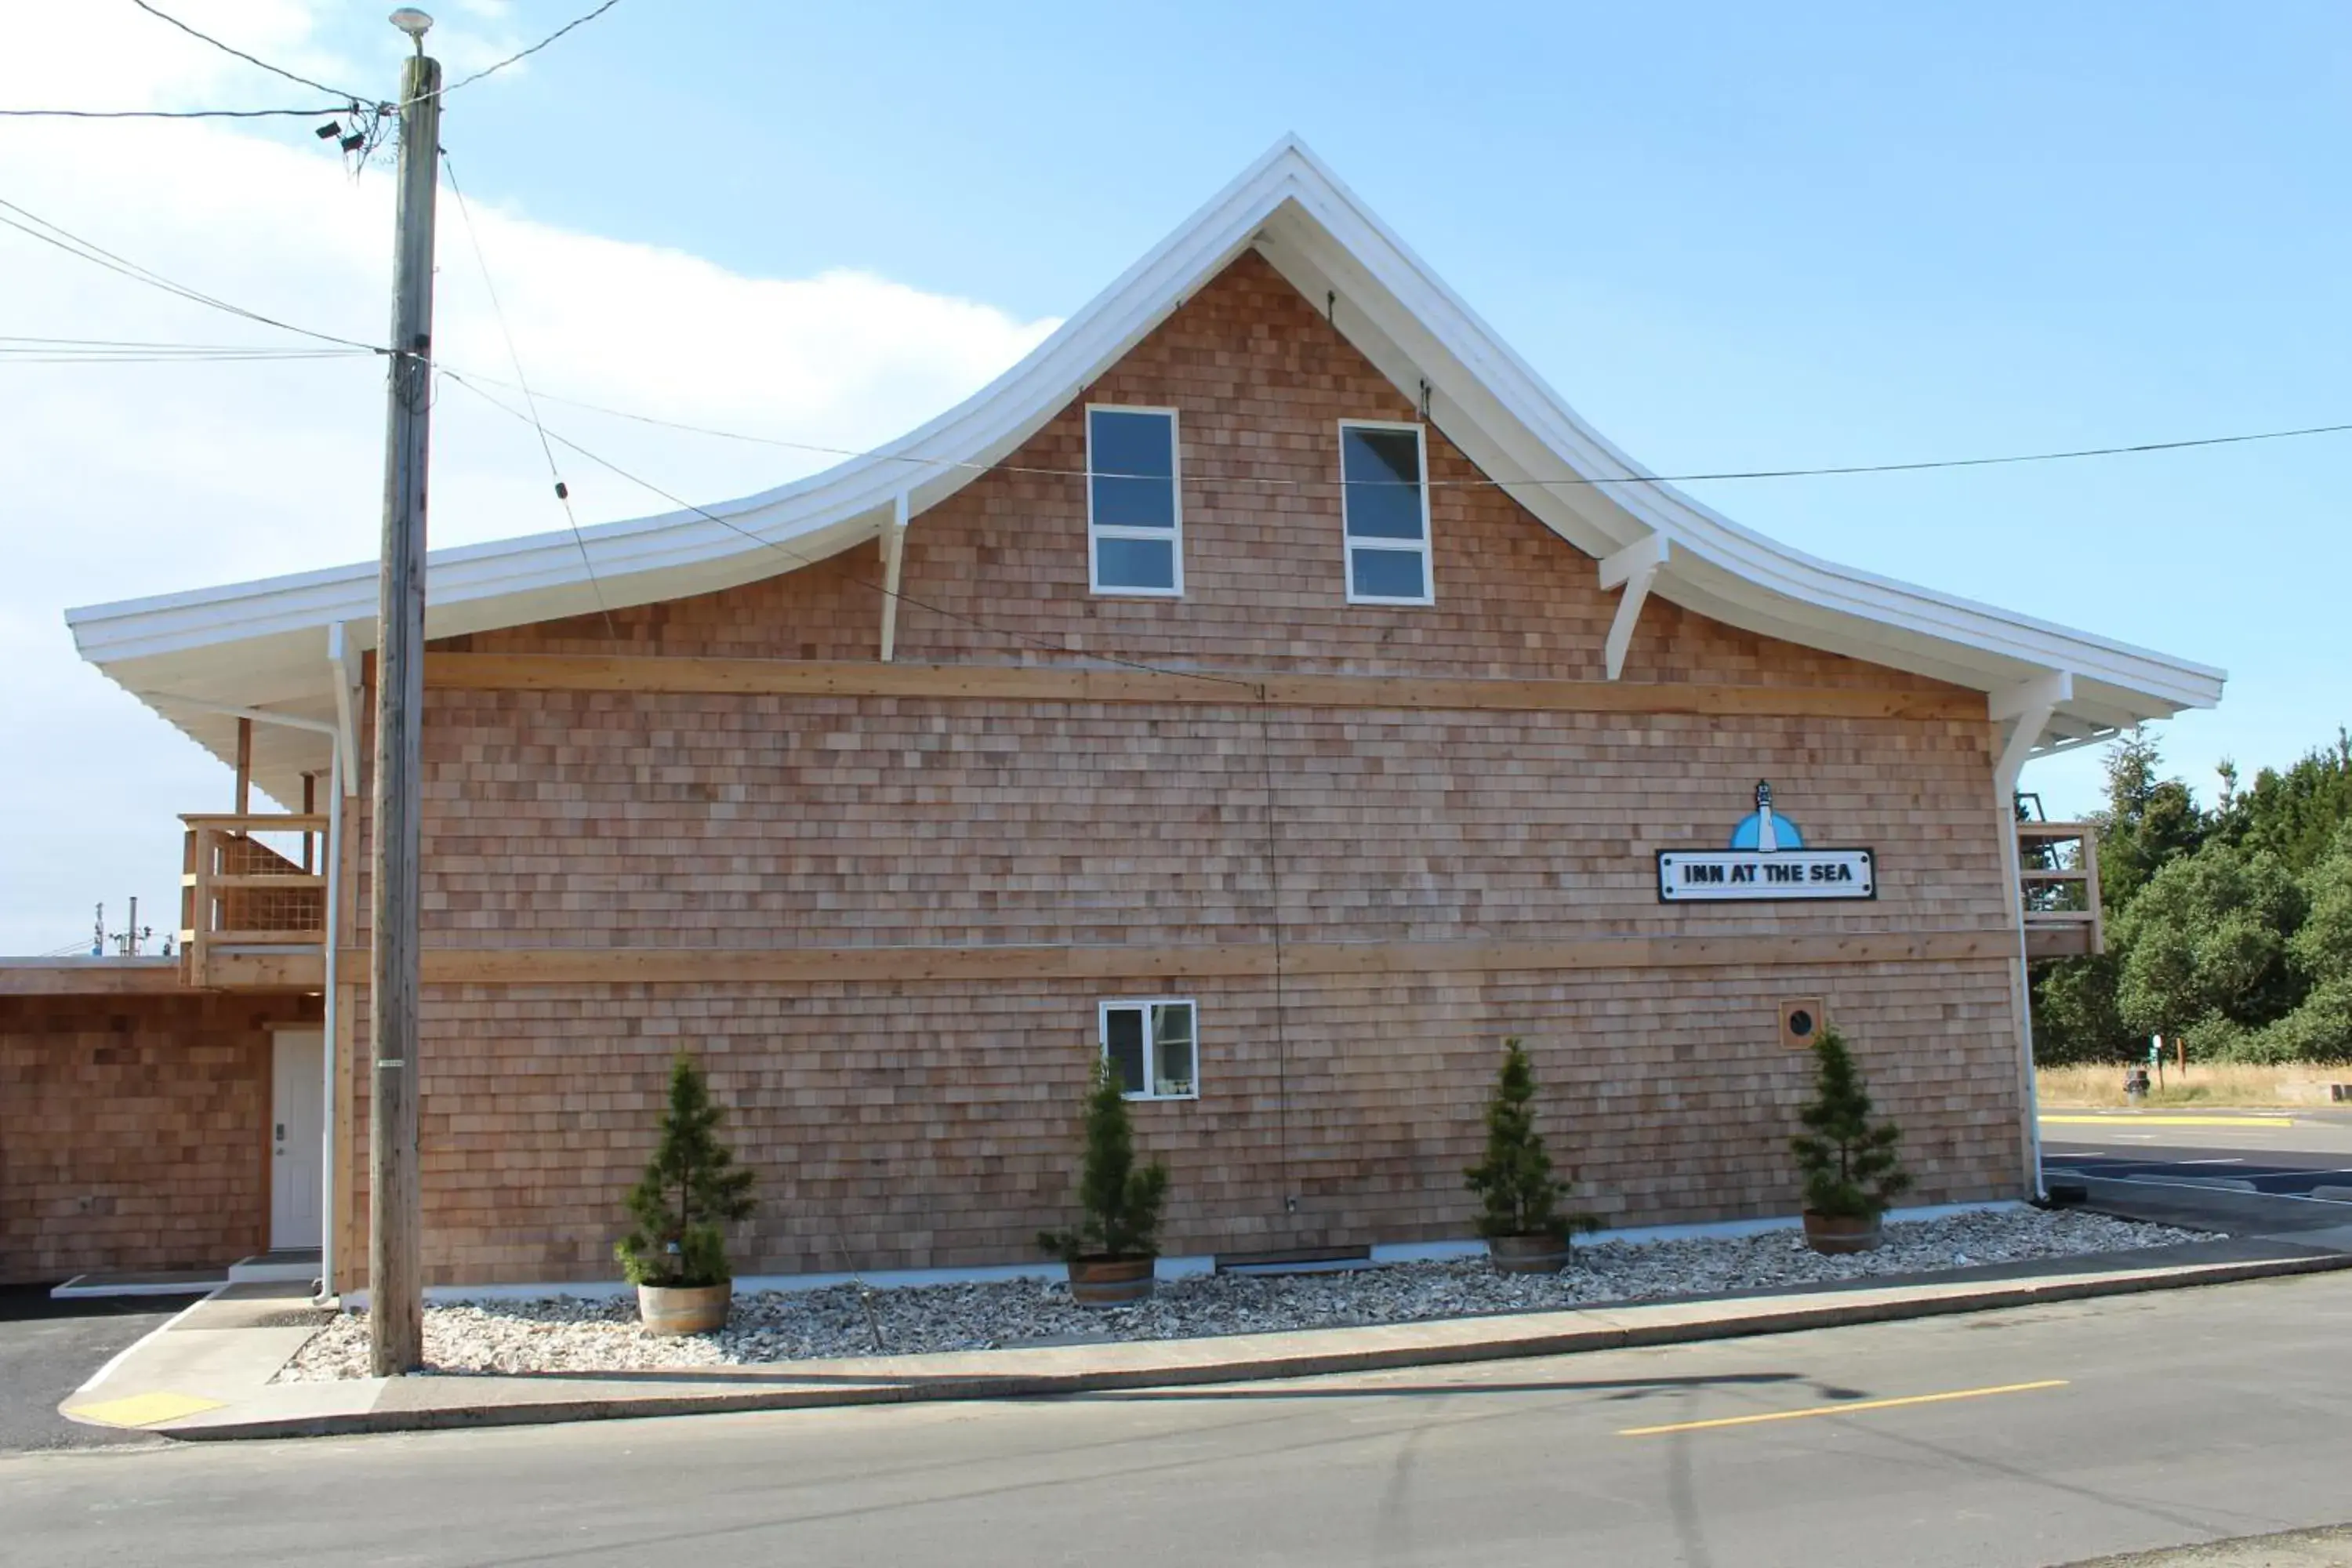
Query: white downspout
(329, 1023)
(2028, 706)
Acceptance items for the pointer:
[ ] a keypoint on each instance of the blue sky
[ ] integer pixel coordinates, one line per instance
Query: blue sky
(1731, 236)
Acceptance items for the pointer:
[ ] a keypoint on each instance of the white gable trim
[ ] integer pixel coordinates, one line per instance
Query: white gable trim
(235, 644)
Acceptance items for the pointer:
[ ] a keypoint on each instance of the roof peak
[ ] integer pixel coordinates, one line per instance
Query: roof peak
(258, 642)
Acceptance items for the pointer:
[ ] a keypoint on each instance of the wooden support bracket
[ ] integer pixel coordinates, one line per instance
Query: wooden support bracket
(1634, 569)
(344, 661)
(894, 553)
(2026, 709)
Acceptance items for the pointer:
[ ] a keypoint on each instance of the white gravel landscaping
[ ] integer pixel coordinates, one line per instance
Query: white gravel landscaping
(600, 1334)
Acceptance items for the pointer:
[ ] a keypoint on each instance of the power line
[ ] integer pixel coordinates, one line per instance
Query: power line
(581, 21)
(806, 560)
(240, 53)
(514, 357)
(111, 351)
(162, 346)
(345, 108)
(99, 256)
(1483, 482)
(2130, 450)
(87, 251)
(256, 356)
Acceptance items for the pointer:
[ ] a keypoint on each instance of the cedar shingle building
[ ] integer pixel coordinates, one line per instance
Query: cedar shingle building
(1252, 684)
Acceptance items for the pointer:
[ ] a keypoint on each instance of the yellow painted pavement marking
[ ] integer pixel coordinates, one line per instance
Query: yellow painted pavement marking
(1846, 1409)
(143, 1409)
(2141, 1118)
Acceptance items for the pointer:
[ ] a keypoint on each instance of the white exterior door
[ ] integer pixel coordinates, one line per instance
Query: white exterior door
(298, 1132)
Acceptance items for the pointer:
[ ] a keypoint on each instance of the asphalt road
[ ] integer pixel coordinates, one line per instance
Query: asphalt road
(48, 1349)
(2314, 1150)
(2116, 1425)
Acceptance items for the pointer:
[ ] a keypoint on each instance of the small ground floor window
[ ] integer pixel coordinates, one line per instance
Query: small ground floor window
(1152, 1048)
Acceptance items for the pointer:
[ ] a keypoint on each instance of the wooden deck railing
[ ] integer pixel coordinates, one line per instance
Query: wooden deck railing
(252, 916)
(2058, 876)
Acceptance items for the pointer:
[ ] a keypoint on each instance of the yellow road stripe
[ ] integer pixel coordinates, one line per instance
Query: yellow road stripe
(1847, 1409)
(2141, 1119)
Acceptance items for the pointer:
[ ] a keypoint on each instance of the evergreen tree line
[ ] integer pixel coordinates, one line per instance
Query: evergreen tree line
(2230, 928)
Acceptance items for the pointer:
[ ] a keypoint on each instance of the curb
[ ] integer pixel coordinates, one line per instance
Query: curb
(1312, 1363)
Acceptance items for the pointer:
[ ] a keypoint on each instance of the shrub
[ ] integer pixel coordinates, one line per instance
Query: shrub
(2318, 1031)
(2209, 936)
(1515, 1183)
(2075, 1016)
(2211, 1038)
(691, 1188)
(1121, 1203)
(1849, 1166)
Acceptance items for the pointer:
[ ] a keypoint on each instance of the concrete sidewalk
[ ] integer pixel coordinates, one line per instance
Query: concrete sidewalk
(207, 1374)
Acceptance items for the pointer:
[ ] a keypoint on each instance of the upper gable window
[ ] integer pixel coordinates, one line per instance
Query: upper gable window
(1135, 535)
(1384, 504)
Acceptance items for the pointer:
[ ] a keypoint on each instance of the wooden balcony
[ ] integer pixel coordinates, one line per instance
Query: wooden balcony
(253, 902)
(2058, 878)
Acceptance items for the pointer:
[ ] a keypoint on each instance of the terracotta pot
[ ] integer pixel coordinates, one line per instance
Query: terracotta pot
(1833, 1233)
(1110, 1281)
(669, 1310)
(1544, 1253)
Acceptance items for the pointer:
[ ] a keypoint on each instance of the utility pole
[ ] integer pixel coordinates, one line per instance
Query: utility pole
(395, 1197)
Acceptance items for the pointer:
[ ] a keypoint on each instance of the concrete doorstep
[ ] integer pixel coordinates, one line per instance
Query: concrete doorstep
(206, 1374)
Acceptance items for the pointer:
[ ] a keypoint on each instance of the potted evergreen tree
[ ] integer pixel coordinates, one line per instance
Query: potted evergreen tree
(1851, 1174)
(677, 1254)
(1111, 1250)
(1520, 1219)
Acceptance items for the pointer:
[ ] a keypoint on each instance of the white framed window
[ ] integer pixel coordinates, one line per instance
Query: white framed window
(1153, 1046)
(1384, 512)
(1135, 523)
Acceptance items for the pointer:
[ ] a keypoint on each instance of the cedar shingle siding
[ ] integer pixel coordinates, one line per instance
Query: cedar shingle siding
(134, 1131)
(928, 1123)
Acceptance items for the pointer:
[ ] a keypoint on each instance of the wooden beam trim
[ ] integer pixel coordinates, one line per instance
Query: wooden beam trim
(244, 765)
(657, 966)
(979, 682)
(89, 980)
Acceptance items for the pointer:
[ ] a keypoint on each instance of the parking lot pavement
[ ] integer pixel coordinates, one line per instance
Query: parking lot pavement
(2302, 1153)
(48, 1349)
(2324, 1174)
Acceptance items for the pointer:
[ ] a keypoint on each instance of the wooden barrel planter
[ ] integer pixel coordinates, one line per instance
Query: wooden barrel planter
(1836, 1233)
(1110, 1281)
(667, 1310)
(1544, 1254)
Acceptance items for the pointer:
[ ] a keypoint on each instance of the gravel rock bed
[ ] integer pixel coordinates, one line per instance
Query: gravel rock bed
(583, 1334)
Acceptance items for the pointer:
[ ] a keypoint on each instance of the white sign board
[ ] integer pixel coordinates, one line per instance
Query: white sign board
(1724, 876)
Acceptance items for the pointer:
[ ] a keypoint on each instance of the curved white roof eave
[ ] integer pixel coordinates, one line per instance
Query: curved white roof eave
(196, 643)
(1691, 525)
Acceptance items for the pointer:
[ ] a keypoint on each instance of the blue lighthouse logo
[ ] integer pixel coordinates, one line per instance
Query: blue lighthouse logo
(1764, 829)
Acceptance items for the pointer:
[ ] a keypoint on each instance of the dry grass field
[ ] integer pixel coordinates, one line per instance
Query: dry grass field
(2206, 1083)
